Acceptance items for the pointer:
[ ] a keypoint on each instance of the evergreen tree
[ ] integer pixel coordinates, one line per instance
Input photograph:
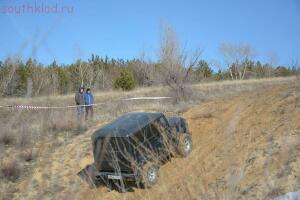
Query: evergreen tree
(125, 81)
(203, 70)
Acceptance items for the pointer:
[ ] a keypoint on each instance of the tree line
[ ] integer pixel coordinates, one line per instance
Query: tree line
(175, 67)
(31, 78)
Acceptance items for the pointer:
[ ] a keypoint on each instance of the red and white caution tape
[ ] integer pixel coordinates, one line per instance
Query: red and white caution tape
(29, 107)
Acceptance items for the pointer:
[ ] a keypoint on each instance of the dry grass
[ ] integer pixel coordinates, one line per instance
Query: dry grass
(275, 192)
(28, 154)
(7, 137)
(10, 169)
(46, 130)
(202, 115)
(60, 121)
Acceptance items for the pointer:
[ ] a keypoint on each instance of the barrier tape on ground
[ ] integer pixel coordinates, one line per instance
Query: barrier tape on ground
(146, 98)
(31, 107)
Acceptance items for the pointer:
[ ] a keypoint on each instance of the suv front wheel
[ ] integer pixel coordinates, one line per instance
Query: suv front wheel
(149, 175)
(185, 145)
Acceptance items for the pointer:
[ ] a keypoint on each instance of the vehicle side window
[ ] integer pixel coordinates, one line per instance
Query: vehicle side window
(148, 132)
(156, 137)
(154, 132)
(141, 136)
(150, 135)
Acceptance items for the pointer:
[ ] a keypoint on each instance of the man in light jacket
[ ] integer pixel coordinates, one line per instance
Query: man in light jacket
(89, 101)
(79, 100)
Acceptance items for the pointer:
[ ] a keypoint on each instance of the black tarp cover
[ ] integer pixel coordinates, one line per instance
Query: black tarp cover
(126, 125)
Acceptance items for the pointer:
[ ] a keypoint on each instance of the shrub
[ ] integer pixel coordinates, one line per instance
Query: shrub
(275, 192)
(282, 71)
(28, 155)
(7, 137)
(125, 81)
(62, 125)
(10, 170)
(61, 121)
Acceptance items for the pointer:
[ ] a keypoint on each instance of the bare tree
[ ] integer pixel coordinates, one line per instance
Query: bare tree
(80, 72)
(96, 72)
(38, 79)
(35, 80)
(176, 63)
(234, 56)
(144, 71)
(91, 75)
(273, 60)
(296, 66)
(11, 66)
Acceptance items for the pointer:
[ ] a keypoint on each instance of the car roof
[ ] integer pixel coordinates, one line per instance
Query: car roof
(126, 125)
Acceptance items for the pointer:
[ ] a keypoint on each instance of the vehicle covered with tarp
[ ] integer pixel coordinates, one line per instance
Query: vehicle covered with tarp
(134, 146)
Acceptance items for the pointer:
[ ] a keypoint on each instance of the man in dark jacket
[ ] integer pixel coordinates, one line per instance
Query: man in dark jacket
(89, 101)
(79, 100)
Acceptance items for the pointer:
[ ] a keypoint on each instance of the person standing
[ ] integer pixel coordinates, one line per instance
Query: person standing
(79, 100)
(89, 101)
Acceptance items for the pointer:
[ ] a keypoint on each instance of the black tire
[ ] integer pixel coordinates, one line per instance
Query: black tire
(149, 175)
(185, 145)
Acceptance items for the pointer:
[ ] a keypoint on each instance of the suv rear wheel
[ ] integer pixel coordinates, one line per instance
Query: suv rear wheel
(149, 175)
(185, 145)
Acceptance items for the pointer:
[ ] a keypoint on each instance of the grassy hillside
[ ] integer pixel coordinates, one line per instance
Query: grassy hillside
(240, 131)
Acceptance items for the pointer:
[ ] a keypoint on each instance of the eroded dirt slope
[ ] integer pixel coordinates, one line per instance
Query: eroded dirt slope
(247, 147)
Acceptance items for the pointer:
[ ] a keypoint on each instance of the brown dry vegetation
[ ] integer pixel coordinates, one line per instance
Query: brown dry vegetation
(246, 144)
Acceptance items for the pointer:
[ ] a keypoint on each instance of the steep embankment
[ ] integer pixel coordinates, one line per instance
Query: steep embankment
(247, 147)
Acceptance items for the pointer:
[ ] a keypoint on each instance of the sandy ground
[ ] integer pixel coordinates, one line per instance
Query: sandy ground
(246, 147)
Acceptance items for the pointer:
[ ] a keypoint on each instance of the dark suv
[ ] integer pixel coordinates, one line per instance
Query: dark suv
(132, 147)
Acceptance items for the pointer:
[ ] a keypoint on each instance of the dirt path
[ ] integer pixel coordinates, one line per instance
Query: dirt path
(247, 147)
